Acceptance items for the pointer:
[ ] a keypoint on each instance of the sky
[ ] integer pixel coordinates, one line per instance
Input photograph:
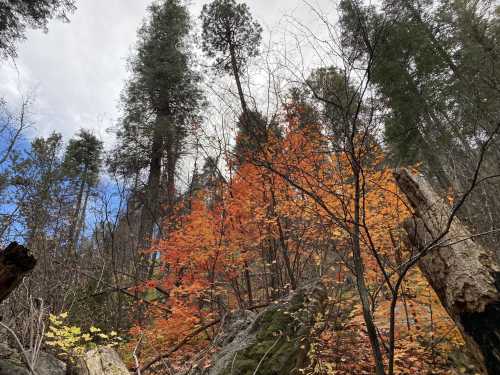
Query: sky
(75, 72)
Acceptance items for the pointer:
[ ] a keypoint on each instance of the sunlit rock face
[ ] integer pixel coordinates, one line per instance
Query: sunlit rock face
(100, 361)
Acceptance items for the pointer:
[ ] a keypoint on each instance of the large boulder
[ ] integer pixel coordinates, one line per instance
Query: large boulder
(100, 361)
(48, 364)
(273, 342)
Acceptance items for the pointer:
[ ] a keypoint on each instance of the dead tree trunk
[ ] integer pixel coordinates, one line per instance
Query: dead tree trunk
(15, 263)
(464, 274)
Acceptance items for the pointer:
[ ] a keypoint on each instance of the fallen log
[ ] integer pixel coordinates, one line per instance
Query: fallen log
(464, 274)
(15, 263)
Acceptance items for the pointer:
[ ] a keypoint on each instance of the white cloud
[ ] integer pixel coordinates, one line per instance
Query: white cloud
(77, 69)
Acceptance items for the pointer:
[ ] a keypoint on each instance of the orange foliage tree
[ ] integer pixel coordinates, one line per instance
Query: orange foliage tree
(284, 216)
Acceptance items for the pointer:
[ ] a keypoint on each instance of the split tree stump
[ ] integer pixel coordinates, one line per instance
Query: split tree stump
(464, 274)
(15, 263)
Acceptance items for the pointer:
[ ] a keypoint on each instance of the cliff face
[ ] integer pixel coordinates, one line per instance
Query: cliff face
(273, 342)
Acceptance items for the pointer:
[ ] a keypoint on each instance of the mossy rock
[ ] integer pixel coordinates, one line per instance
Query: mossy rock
(279, 337)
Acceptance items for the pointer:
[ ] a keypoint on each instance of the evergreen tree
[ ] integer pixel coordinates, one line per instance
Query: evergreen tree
(82, 163)
(301, 107)
(435, 67)
(161, 100)
(440, 86)
(41, 196)
(17, 15)
(45, 207)
(231, 36)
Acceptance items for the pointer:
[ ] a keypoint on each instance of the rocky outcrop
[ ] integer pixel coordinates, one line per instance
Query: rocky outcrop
(273, 342)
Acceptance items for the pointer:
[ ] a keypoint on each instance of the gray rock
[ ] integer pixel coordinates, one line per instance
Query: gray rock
(6, 352)
(234, 324)
(11, 363)
(9, 368)
(101, 361)
(48, 364)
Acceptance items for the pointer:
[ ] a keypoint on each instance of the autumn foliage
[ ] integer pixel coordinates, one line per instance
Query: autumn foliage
(282, 217)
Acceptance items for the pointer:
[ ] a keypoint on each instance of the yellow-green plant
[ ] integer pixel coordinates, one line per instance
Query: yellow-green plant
(70, 341)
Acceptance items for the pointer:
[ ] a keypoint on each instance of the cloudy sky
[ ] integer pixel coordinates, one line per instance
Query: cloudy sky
(76, 71)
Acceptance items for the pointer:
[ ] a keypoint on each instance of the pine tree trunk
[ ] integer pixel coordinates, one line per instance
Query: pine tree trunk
(149, 214)
(73, 230)
(236, 74)
(80, 227)
(172, 158)
(464, 274)
(15, 263)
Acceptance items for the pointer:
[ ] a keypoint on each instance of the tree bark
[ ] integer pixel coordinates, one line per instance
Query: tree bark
(151, 204)
(236, 73)
(15, 263)
(249, 284)
(172, 158)
(359, 271)
(464, 274)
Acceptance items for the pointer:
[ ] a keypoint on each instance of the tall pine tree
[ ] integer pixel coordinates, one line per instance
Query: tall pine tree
(161, 100)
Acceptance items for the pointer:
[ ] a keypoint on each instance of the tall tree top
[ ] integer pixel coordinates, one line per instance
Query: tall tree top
(161, 66)
(229, 27)
(84, 156)
(163, 94)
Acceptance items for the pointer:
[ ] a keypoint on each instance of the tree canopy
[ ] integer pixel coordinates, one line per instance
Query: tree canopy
(328, 207)
(17, 15)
